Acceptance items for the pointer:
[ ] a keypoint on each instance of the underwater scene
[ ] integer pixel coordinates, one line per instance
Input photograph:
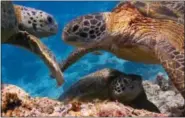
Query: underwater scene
(60, 27)
(26, 70)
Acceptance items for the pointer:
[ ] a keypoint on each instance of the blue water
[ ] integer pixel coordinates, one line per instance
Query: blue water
(26, 70)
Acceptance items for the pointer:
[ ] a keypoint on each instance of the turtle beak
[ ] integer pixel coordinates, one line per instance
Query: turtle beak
(67, 38)
(72, 40)
(64, 36)
(54, 29)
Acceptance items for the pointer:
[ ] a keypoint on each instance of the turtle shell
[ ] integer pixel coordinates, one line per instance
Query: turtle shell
(173, 10)
(9, 24)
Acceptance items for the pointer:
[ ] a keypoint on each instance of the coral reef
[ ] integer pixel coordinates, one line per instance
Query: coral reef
(168, 101)
(24, 105)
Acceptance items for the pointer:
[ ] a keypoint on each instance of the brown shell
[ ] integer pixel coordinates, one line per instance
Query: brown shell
(173, 10)
(90, 86)
(9, 25)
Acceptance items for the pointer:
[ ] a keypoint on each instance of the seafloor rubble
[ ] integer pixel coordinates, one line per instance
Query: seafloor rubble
(168, 101)
(16, 102)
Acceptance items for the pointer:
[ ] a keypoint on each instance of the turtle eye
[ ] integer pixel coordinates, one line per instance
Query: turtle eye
(50, 20)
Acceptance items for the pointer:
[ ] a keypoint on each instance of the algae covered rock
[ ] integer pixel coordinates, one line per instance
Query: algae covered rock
(47, 107)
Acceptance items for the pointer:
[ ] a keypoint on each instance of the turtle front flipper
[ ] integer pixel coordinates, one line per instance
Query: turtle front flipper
(142, 102)
(77, 54)
(172, 59)
(33, 44)
(72, 58)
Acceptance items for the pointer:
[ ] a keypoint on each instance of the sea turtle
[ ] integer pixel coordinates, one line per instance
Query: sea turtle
(130, 35)
(110, 84)
(11, 34)
(173, 10)
(35, 21)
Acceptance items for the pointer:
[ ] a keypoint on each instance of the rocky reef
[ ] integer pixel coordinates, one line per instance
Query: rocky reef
(168, 101)
(16, 102)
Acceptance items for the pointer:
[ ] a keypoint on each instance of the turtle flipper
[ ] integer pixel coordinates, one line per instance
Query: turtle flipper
(142, 102)
(72, 58)
(33, 44)
(76, 55)
(172, 59)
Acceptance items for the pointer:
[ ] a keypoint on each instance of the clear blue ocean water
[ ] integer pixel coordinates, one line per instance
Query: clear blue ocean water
(22, 68)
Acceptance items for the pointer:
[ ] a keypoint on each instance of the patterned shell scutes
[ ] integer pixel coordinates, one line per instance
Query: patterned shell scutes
(174, 32)
(173, 10)
(8, 20)
(176, 7)
(125, 6)
(92, 83)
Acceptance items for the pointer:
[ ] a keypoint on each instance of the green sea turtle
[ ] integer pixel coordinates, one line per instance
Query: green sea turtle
(173, 10)
(130, 35)
(36, 22)
(11, 34)
(110, 84)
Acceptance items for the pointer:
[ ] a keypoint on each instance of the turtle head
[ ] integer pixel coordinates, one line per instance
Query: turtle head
(126, 88)
(85, 30)
(36, 22)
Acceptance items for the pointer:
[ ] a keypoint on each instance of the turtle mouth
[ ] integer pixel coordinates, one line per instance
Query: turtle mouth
(65, 36)
(69, 38)
(74, 40)
(54, 29)
(51, 28)
(44, 32)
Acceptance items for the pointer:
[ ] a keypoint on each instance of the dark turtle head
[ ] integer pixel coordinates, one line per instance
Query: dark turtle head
(126, 88)
(85, 30)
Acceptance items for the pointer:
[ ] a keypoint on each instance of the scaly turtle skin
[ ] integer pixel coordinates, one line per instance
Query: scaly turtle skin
(173, 10)
(12, 35)
(36, 22)
(110, 84)
(130, 35)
